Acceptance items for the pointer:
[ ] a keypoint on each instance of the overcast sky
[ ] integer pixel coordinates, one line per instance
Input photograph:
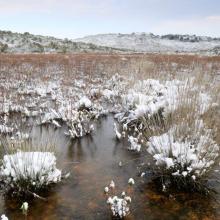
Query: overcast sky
(77, 18)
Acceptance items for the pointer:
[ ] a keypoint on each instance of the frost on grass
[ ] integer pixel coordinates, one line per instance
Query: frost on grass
(80, 123)
(147, 97)
(4, 129)
(119, 206)
(134, 145)
(117, 133)
(24, 171)
(186, 151)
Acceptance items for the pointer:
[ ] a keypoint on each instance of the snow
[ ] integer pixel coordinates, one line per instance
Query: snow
(194, 155)
(25, 207)
(147, 97)
(50, 116)
(117, 133)
(143, 42)
(37, 167)
(29, 43)
(108, 94)
(119, 206)
(112, 184)
(79, 123)
(131, 181)
(3, 217)
(84, 102)
(134, 146)
(142, 174)
(136, 42)
(4, 129)
(106, 189)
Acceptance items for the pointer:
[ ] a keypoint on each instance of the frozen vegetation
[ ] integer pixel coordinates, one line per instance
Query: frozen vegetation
(119, 205)
(187, 151)
(163, 117)
(29, 171)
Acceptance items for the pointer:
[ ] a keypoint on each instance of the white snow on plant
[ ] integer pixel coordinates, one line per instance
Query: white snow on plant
(84, 102)
(79, 123)
(134, 145)
(204, 102)
(142, 174)
(106, 189)
(109, 94)
(22, 135)
(147, 97)
(50, 116)
(119, 206)
(24, 207)
(38, 168)
(117, 133)
(186, 151)
(112, 184)
(131, 181)
(4, 217)
(4, 129)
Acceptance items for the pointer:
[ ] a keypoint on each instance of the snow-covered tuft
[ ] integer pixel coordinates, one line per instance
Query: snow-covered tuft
(119, 206)
(29, 170)
(134, 145)
(185, 150)
(84, 102)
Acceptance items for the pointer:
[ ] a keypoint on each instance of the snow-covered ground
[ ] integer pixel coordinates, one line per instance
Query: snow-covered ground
(136, 42)
(143, 42)
(28, 43)
(72, 101)
(72, 98)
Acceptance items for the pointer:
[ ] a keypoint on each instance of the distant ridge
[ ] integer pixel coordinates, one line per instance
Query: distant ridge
(11, 42)
(148, 42)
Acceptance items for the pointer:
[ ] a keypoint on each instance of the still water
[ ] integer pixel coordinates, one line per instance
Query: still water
(93, 162)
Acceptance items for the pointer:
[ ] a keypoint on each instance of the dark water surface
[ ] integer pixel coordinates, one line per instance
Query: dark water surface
(93, 163)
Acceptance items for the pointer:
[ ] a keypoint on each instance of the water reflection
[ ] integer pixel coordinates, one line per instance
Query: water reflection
(93, 163)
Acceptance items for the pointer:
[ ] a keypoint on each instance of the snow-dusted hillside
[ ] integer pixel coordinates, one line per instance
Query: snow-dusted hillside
(142, 42)
(136, 42)
(28, 43)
